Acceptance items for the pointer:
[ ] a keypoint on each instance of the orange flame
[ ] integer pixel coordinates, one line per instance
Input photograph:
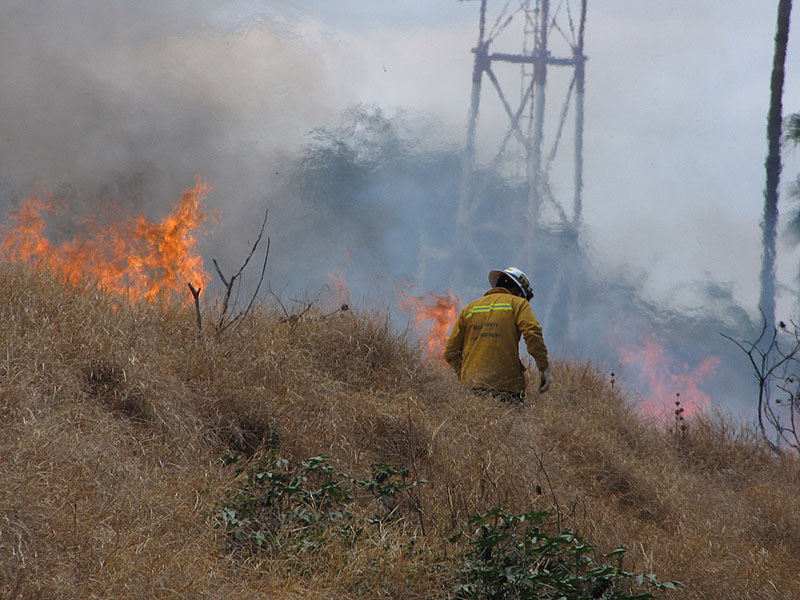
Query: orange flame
(434, 317)
(135, 258)
(666, 379)
(338, 285)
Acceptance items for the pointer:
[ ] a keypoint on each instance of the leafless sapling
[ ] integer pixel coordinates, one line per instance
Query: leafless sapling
(227, 318)
(196, 295)
(303, 306)
(775, 359)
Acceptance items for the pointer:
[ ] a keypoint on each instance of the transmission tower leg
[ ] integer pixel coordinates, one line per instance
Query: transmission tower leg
(580, 86)
(535, 158)
(464, 245)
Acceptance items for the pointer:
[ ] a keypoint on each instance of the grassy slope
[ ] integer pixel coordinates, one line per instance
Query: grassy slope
(111, 421)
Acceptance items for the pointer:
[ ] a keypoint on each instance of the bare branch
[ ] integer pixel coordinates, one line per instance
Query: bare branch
(219, 272)
(305, 305)
(279, 301)
(255, 245)
(225, 321)
(260, 281)
(196, 294)
(774, 361)
(228, 288)
(341, 309)
(559, 513)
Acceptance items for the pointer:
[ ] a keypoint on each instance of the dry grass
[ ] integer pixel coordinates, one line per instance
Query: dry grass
(113, 418)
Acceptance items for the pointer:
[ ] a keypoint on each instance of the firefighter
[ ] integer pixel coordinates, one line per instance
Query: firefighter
(483, 347)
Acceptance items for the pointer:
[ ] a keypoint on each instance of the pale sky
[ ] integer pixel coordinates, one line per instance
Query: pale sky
(676, 102)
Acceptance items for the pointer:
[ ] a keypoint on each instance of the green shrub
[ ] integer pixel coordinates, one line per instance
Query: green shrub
(512, 557)
(283, 508)
(276, 503)
(279, 506)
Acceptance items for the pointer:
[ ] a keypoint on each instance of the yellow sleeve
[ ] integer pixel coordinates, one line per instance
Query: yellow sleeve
(532, 333)
(453, 351)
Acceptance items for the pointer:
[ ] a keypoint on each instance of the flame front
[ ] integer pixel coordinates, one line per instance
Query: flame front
(338, 285)
(434, 317)
(665, 380)
(135, 258)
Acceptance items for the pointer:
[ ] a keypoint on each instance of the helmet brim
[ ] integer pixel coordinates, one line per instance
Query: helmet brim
(494, 277)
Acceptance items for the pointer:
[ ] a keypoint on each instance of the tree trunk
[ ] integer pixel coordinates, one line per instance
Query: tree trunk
(773, 165)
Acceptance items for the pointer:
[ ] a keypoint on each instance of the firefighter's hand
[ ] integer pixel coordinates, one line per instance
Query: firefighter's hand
(546, 380)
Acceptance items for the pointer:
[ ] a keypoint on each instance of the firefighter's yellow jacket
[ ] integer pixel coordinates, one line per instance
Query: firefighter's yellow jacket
(483, 347)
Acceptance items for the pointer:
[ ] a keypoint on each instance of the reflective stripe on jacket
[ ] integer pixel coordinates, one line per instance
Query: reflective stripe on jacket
(483, 347)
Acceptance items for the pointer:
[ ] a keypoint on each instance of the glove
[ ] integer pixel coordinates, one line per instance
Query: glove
(546, 380)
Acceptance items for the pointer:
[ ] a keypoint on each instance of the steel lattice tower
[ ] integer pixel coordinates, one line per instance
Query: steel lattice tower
(531, 141)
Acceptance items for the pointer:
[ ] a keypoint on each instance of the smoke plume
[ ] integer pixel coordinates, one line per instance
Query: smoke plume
(125, 103)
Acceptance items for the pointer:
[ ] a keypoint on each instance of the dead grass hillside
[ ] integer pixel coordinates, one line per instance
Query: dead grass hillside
(113, 420)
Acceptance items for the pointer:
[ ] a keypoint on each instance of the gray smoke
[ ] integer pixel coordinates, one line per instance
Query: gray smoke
(123, 102)
(127, 102)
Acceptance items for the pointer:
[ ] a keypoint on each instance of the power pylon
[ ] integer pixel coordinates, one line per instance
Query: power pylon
(531, 141)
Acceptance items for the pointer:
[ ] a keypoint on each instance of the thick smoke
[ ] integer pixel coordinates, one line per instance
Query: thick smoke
(375, 191)
(127, 102)
(124, 103)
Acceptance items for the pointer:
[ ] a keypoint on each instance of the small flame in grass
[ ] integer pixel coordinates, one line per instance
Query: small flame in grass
(665, 379)
(338, 285)
(134, 258)
(434, 317)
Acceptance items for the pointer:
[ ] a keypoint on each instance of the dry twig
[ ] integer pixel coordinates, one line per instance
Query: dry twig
(196, 295)
(224, 321)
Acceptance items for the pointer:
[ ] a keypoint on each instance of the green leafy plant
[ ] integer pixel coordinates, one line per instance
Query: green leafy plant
(277, 505)
(513, 557)
(385, 484)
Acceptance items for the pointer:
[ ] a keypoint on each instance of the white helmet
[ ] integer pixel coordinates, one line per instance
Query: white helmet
(515, 275)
